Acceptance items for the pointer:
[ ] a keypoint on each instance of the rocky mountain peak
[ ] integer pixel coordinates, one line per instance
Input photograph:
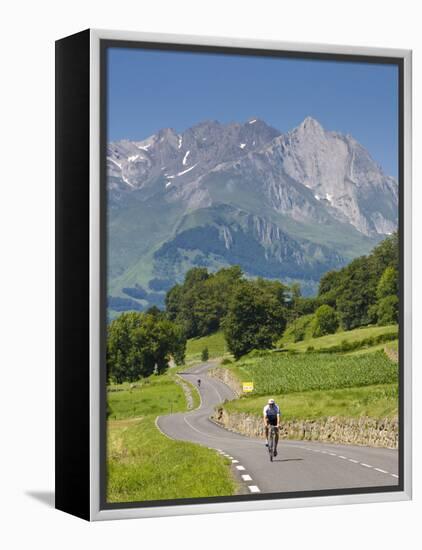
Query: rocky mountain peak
(309, 174)
(310, 124)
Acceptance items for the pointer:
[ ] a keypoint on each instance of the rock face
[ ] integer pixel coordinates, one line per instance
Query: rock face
(353, 431)
(287, 206)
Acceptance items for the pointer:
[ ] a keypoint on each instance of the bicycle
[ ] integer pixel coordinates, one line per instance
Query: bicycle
(271, 441)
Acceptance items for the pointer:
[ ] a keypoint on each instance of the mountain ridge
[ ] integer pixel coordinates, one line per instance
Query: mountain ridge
(316, 192)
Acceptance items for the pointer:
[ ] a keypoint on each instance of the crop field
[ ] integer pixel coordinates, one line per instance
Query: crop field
(281, 373)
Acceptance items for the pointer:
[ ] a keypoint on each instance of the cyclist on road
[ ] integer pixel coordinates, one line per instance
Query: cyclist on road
(272, 418)
(199, 383)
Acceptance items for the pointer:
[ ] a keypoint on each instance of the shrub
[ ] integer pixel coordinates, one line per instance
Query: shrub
(226, 361)
(388, 310)
(325, 322)
(205, 355)
(388, 283)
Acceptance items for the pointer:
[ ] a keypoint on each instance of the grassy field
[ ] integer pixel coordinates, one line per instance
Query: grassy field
(144, 464)
(378, 401)
(337, 338)
(394, 345)
(154, 395)
(286, 373)
(215, 343)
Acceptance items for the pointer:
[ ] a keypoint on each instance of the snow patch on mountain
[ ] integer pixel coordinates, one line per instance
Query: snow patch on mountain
(188, 170)
(185, 158)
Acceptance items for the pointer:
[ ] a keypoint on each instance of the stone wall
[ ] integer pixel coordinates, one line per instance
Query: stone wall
(226, 376)
(353, 431)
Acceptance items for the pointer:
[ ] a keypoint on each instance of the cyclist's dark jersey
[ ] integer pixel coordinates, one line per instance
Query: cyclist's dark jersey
(271, 414)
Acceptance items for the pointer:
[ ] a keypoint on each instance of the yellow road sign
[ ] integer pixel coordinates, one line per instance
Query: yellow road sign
(247, 386)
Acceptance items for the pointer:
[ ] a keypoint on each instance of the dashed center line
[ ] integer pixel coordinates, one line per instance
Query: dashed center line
(351, 460)
(239, 467)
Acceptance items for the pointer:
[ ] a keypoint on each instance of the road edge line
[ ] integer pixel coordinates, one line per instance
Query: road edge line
(161, 431)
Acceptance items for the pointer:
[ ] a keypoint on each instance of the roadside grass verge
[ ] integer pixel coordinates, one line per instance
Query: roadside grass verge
(350, 336)
(145, 465)
(215, 343)
(377, 401)
(282, 373)
(142, 463)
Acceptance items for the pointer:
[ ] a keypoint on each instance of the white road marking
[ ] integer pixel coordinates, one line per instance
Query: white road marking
(216, 391)
(209, 435)
(247, 477)
(349, 459)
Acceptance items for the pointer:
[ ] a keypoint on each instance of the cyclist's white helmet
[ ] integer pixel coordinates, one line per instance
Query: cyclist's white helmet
(271, 402)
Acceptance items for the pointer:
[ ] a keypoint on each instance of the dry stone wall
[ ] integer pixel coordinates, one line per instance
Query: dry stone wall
(353, 431)
(226, 376)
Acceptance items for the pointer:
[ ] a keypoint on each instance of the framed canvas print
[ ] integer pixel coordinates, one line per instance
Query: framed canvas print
(233, 274)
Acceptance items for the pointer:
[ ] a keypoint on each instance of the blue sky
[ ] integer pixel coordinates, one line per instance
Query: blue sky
(149, 90)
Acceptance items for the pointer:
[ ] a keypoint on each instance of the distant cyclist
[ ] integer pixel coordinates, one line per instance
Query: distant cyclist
(199, 383)
(272, 418)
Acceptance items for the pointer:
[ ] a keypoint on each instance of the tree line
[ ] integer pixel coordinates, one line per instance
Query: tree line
(253, 313)
(141, 344)
(364, 292)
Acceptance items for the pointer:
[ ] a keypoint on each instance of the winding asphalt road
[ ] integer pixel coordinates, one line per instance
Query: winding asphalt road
(299, 466)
